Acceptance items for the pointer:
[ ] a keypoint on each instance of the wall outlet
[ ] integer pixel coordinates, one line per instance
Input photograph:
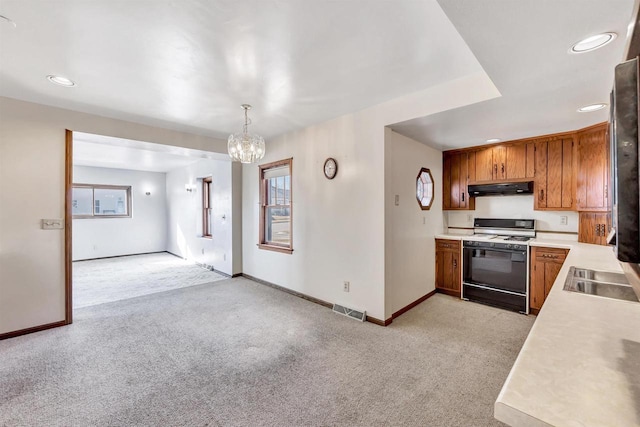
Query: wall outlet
(564, 219)
(346, 286)
(469, 218)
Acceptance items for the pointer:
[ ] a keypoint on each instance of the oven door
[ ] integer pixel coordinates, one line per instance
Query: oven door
(497, 268)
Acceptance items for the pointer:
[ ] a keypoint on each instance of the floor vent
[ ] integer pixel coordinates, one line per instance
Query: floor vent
(349, 312)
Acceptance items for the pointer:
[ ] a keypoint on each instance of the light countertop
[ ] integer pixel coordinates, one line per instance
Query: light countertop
(580, 364)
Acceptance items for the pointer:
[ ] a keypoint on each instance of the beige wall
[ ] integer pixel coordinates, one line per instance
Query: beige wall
(409, 231)
(32, 150)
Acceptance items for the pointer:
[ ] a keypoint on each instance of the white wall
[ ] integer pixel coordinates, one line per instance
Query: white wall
(409, 231)
(32, 158)
(547, 222)
(185, 214)
(339, 225)
(144, 232)
(32, 150)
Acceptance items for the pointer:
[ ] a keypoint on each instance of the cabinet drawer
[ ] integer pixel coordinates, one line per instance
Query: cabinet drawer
(550, 254)
(448, 244)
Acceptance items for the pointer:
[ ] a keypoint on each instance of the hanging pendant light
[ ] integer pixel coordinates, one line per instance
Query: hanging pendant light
(245, 147)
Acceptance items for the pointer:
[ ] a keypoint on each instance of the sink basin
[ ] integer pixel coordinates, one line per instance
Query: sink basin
(600, 276)
(599, 283)
(607, 290)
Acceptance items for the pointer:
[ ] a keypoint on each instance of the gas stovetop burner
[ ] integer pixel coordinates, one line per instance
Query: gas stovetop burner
(518, 238)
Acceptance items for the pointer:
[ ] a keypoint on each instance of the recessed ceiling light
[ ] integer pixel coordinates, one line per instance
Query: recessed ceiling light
(593, 42)
(592, 107)
(59, 80)
(493, 140)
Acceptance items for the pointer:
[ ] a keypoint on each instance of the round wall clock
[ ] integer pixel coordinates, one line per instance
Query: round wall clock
(330, 168)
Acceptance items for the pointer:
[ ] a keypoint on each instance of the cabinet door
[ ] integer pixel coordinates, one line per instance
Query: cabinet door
(440, 268)
(560, 174)
(499, 163)
(594, 227)
(551, 270)
(593, 171)
(484, 165)
(540, 196)
(531, 165)
(516, 161)
(554, 177)
(455, 264)
(446, 181)
(536, 285)
(455, 181)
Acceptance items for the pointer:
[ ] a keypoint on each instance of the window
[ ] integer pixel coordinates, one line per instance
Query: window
(101, 201)
(276, 209)
(206, 207)
(424, 189)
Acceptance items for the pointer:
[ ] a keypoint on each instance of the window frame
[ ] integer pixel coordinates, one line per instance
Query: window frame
(93, 187)
(262, 243)
(207, 210)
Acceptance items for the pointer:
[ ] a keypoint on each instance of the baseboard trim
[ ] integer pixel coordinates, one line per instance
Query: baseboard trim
(236, 275)
(33, 329)
(380, 322)
(312, 299)
(289, 291)
(448, 292)
(413, 304)
(122, 256)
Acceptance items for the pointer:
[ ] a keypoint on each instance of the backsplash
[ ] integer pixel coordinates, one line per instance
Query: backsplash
(515, 207)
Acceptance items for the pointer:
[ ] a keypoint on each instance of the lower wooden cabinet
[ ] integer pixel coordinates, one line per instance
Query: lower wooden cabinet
(545, 266)
(594, 227)
(448, 266)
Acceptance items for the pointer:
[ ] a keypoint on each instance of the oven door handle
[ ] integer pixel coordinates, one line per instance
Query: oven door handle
(495, 250)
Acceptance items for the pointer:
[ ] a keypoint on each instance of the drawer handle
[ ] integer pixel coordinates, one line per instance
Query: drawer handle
(455, 263)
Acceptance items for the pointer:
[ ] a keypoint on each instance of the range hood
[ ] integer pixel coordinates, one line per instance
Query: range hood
(501, 189)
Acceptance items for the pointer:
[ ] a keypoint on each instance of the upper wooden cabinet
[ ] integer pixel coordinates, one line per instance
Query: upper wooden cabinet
(519, 161)
(592, 190)
(570, 170)
(505, 162)
(554, 174)
(458, 168)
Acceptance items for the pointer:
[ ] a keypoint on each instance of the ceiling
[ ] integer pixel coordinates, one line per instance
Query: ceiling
(109, 152)
(188, 65)
(524, 47)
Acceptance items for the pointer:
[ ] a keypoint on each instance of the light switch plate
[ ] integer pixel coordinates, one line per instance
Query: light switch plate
(52, 224)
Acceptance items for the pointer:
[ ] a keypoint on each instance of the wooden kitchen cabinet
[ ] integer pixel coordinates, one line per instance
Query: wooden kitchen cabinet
(545, 266)
(554, 174)
(491, 164)
(594, 227)
(519, 161)
(592, 188)
(455, 179)
(448, 266)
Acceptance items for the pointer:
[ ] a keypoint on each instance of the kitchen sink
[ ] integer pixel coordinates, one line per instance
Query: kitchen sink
(599, 283)
(600, 276)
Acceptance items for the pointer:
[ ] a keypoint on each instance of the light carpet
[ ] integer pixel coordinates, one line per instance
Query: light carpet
(237, 353)
(112, 279)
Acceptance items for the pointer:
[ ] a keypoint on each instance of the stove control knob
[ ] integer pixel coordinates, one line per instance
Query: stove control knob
(509, 246)
(492, 244)
(517, 247)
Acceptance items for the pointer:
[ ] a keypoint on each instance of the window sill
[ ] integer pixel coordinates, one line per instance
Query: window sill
(275, 248)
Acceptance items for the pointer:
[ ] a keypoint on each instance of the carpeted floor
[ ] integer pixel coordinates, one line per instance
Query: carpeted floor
(112, 279)
(237, 353)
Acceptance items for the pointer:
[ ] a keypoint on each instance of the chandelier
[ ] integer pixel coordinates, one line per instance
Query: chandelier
(245, 147)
